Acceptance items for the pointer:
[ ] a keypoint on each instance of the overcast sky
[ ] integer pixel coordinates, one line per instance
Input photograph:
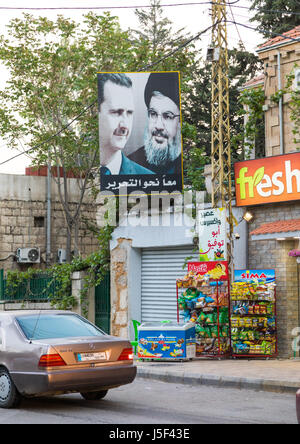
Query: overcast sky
(185, 15)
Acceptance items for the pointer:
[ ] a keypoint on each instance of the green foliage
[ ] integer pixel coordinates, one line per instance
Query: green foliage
(53, 69)
(242, 67)
(275, 16)
(156, 38)
(251, 137)
(194, 159)
(95, 266)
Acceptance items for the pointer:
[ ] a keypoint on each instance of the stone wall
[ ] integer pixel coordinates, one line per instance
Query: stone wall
(289, 56)
(23, 219)
(274, 254)
(119, 288)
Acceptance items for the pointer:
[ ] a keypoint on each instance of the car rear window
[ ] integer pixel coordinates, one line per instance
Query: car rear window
(42, 326)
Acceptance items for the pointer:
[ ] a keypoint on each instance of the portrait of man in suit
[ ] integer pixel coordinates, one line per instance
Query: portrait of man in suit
(116, 110)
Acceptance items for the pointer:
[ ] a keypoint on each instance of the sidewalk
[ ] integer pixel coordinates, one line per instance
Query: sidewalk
(280, 375)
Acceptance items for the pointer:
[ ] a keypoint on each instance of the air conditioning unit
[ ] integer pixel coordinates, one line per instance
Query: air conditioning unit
(29, 255)
(61, 256)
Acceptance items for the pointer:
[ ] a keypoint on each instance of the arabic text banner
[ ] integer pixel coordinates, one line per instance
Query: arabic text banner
(212, 234)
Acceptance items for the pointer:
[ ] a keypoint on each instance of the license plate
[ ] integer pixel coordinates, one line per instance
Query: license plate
(82, 357)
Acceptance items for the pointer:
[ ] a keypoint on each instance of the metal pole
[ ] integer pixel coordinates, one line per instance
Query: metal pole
(280, 105)
(2, 284)
(220, 141)
(48, 247)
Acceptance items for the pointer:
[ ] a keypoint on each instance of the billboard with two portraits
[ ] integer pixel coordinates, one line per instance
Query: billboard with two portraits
(140, 132)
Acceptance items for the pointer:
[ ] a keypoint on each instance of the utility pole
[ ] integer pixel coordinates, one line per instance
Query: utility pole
(220, 139)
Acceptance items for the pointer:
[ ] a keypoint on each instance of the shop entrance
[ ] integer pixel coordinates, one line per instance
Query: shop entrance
(160, 269)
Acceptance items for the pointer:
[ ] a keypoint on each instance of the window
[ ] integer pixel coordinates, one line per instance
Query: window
(39, 221)
(297, 79)
(47, 326)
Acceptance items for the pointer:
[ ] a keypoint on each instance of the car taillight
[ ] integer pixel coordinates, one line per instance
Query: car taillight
(126, 355)
(51, 360)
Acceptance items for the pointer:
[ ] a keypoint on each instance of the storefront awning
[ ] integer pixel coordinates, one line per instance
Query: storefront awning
(280, 229)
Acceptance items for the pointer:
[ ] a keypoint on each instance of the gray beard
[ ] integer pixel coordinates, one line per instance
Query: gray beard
(158, 156)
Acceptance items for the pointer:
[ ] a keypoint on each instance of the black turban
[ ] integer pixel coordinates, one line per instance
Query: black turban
(167, 83)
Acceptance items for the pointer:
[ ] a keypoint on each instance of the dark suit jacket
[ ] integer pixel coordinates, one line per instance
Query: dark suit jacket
(139, 156)
(130, 167)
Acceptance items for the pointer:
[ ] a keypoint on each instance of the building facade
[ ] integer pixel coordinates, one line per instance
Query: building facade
(275, 228)
(23, 219)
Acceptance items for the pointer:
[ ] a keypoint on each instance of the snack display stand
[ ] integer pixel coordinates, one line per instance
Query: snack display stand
(253, 314)
(203, 299)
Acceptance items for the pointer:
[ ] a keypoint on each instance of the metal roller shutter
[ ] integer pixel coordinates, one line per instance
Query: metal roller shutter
(160, 269)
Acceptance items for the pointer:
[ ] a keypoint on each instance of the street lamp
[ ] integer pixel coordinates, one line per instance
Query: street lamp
(248, 216)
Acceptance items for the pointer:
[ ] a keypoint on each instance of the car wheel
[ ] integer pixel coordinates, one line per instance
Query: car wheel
(94, 396)
(9, 395)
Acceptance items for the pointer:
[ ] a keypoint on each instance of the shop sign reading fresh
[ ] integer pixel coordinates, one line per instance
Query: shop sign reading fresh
(212, 234)
(271, 179)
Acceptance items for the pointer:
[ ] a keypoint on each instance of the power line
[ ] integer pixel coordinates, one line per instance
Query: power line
(142, 69)
(51, 137)
(232, 4)
(70, 8)
(271, 11)
(237, 29)
(95, 101)
(274, 34)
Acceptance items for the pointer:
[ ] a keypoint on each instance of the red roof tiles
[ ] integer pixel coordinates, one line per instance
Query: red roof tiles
(278, 227)
(286, 37)
(255, 81)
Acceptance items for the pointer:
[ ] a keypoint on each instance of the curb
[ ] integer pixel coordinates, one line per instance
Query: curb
(267, 385)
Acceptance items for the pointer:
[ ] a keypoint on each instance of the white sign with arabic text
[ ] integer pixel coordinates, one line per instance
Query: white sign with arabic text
(212, 234)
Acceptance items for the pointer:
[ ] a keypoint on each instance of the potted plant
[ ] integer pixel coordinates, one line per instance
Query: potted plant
(296, 254)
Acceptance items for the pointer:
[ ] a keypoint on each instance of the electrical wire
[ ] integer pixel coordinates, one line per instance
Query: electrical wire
(274, 34)
(51, 137)
(142, 69)
(70, 8)
(237, 29)
(108, 7)
(7, 257)
(271, 11)
(233, 4)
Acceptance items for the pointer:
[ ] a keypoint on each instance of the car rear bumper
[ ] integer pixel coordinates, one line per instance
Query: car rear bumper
(298, 405)
(75, 380)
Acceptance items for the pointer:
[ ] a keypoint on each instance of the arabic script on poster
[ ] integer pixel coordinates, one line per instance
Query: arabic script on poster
(212, 235)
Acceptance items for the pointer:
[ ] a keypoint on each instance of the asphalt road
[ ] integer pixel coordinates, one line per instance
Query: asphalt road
(154, 402)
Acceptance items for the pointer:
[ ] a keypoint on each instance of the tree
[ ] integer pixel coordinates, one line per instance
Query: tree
(275, 16)
(242, 67)
(155, 38)
(53, 68)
